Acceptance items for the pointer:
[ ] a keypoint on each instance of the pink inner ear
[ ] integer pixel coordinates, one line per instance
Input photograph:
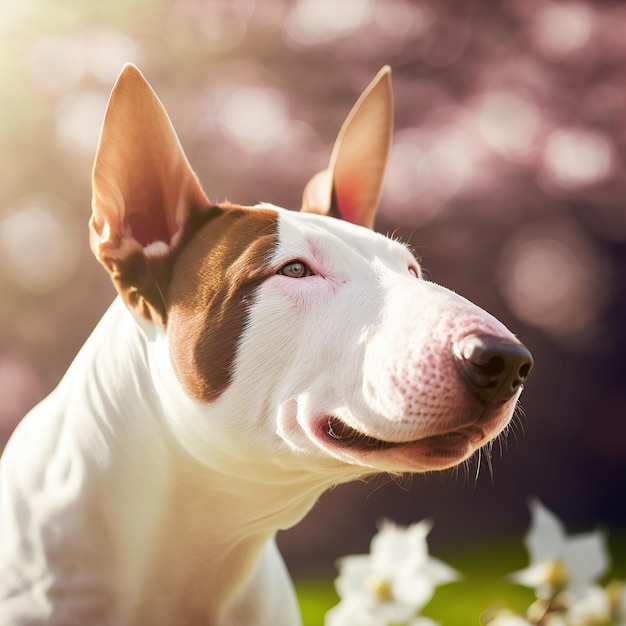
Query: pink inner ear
(346, 197)
(147, 229)
(347, 206)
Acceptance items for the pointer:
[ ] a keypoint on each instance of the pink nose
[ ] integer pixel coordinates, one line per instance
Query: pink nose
(493, 368)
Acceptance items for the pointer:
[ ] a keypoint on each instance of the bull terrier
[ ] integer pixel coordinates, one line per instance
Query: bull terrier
(254, 357)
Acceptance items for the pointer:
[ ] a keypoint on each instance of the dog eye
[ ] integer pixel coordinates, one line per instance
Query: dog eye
(414, 271)
(295, 269)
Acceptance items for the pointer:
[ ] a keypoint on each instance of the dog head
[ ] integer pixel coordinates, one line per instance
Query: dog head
(302, 340)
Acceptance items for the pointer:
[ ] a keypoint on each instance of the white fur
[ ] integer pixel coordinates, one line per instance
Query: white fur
(87, 515)
(126, 502)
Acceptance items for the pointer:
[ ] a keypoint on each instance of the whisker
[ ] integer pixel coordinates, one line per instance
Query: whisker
(488, 456)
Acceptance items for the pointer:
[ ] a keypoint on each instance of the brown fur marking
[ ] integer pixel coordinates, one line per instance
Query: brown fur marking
(212, 288)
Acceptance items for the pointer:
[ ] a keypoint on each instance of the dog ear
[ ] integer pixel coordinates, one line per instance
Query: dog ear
(350, 188)
(143, 192)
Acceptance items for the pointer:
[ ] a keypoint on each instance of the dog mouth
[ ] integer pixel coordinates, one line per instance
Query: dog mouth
(445, 444)
(347, 436)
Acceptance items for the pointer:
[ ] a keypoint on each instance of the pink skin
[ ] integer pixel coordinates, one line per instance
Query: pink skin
(413, 411)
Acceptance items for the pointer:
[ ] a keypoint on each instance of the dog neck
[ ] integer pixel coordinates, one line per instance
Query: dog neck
(211, 539)
(166, 525)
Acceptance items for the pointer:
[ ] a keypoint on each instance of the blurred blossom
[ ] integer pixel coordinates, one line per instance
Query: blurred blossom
(591, 606)
(106, 51)
(19, 390)
(400, 18)
(610, 32)
(39, 252)
(404, 189)
(508, 123)
(56, 64)
(560, 29)
(447, 168)
(312, 22)
(449, 43)
(256, 118)
(425, 170)
(79, 120)
(563, 572)
(559, 561)
(575, 157)
(553, 278)
(262, 14)
(393, 583)
(201, 29)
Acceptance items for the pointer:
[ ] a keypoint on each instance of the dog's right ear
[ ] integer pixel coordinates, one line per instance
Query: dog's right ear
(351, 186)
(143, 192)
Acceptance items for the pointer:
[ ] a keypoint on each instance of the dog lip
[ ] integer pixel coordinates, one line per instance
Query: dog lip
(446, 443)
(349, 437)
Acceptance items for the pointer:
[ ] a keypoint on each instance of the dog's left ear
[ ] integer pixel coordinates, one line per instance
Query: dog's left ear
(351, 186)
(143, 192)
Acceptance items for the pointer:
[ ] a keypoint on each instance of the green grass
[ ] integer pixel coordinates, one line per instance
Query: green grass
(483, 586)
(315, 597)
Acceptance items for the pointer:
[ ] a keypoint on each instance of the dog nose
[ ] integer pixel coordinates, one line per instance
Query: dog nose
(493, 368)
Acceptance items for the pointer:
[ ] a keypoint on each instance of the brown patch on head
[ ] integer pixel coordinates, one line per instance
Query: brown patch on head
(140, 280)
(211, 291)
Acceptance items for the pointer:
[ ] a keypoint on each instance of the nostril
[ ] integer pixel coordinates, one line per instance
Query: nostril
(525, 370)
(493, 368)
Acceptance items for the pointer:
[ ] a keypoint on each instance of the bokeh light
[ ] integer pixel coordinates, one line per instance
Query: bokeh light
(79, 120)
(256, 118)
(57, 63)
(554, 278)
(39, 252)
(577, 157)
(106, 50)
(509, 123)
(400, 18)
(196, 30)
(560, 29)
(427, 169)
(313, 22)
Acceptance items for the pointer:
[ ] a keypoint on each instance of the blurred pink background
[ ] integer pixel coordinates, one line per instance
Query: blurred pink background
(507, 176)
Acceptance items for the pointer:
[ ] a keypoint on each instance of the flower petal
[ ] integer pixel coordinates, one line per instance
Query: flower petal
(416, 590)
(394, 612)
(586, 557)
(546, 535)
(533, 576)
(591, 606)
(354, 571)
(440, 573)
(352, 613)
(393, 545)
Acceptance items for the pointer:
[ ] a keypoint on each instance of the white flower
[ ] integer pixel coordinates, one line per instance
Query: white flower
(588, 607)
(392, 583)
(559, 561)
(354, 612)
